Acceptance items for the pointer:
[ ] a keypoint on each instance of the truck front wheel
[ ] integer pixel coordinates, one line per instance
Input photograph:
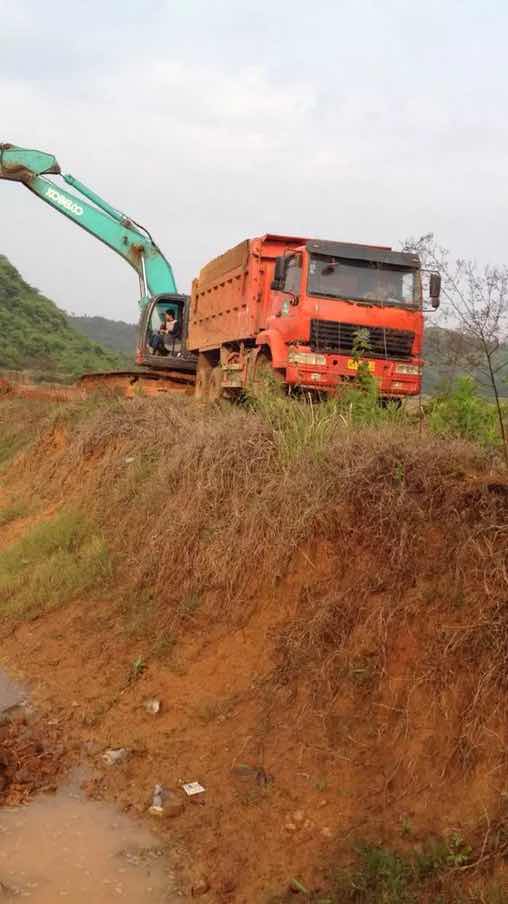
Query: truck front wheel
(267, 378)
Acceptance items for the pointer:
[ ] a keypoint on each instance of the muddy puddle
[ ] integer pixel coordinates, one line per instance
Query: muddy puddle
(64, 846)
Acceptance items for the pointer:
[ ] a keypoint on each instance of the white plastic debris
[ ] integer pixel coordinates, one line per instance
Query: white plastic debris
(129, 459)
(192, 788)
(159, 796)
(115, 755)
(152, 705)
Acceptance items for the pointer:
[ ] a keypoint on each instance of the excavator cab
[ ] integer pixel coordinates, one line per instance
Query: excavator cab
(173, 352)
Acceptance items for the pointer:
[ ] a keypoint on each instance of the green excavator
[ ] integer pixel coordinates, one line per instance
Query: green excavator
(166, 361)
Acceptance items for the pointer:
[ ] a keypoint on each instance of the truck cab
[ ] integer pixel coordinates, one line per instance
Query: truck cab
(333, 303)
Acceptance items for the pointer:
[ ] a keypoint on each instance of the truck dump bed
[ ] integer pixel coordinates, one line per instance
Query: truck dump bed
(230, 295)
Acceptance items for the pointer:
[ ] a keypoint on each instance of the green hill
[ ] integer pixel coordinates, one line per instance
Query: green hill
(113, 334)
(36, 336)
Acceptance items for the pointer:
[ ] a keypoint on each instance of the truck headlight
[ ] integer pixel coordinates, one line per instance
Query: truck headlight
(409, 369)
(308, 358)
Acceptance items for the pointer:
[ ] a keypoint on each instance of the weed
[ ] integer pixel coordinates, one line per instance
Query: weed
(406, 828)
(459, 853)
(388, 876)
(138, 667)
(399, 472)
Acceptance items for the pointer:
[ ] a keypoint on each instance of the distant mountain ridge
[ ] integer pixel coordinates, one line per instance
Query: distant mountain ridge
(116, 335)
(35, 335)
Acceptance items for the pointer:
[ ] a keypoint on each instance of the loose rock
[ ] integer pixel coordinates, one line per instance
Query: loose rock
(200, 887)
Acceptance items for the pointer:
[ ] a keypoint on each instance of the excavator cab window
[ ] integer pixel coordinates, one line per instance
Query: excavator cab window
(158, 339)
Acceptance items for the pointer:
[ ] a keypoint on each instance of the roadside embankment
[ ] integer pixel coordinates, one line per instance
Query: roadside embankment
(321, 609)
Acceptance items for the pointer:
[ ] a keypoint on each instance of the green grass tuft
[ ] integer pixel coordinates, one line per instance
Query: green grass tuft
(54, 562)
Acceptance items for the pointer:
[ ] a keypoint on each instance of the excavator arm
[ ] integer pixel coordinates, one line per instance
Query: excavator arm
(100, 219)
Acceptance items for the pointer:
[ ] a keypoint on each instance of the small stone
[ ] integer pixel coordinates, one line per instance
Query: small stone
(290, 827)
(299, 816)
(326, 832)
(200, 887)
(152, 706)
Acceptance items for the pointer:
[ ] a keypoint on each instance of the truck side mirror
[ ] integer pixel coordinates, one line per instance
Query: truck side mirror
(279, 276)
(435, 290)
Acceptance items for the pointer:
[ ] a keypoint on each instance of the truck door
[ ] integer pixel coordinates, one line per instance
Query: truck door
(289, 311)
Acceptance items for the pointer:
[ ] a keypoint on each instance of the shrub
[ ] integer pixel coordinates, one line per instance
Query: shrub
(465, 413)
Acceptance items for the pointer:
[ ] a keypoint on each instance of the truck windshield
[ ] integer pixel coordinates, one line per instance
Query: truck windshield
(363, 281)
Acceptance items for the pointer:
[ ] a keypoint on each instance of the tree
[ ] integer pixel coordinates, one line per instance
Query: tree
(477, 301)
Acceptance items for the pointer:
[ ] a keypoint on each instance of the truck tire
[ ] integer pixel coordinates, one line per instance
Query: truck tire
(203, 373)
(215, 388)
(266, 377)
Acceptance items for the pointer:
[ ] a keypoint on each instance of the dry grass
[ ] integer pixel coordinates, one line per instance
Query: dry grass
(386, 546)
(207, 504)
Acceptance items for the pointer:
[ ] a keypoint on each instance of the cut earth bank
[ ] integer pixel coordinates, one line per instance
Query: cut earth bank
(321, 612)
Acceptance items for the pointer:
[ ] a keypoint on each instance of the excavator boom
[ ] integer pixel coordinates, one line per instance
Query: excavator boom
(99, 218)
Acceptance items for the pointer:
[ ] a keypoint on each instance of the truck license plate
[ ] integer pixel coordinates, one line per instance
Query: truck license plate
(353, 365)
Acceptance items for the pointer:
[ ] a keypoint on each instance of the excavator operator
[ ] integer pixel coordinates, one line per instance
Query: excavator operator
(169, 332)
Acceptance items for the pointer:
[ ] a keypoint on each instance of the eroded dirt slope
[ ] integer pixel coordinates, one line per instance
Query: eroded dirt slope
(328, 640)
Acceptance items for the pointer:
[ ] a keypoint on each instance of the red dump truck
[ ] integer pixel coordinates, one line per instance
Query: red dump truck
(301, 308)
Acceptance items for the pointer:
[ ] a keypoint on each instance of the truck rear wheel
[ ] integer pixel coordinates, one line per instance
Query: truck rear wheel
(215, 387)
(203, 373)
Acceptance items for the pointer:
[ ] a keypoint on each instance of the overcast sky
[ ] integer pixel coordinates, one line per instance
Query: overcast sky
(212, 120)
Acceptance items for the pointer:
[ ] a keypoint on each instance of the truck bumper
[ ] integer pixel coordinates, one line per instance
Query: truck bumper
(340, 369)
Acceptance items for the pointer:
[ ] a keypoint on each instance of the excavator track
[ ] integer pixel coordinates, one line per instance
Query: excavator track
(127, 383)
(137, 382)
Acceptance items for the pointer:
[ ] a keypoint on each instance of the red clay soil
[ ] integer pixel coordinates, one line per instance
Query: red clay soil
(289, 786)
(297, 764)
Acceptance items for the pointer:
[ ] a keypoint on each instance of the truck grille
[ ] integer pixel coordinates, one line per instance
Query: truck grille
(330, 336)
